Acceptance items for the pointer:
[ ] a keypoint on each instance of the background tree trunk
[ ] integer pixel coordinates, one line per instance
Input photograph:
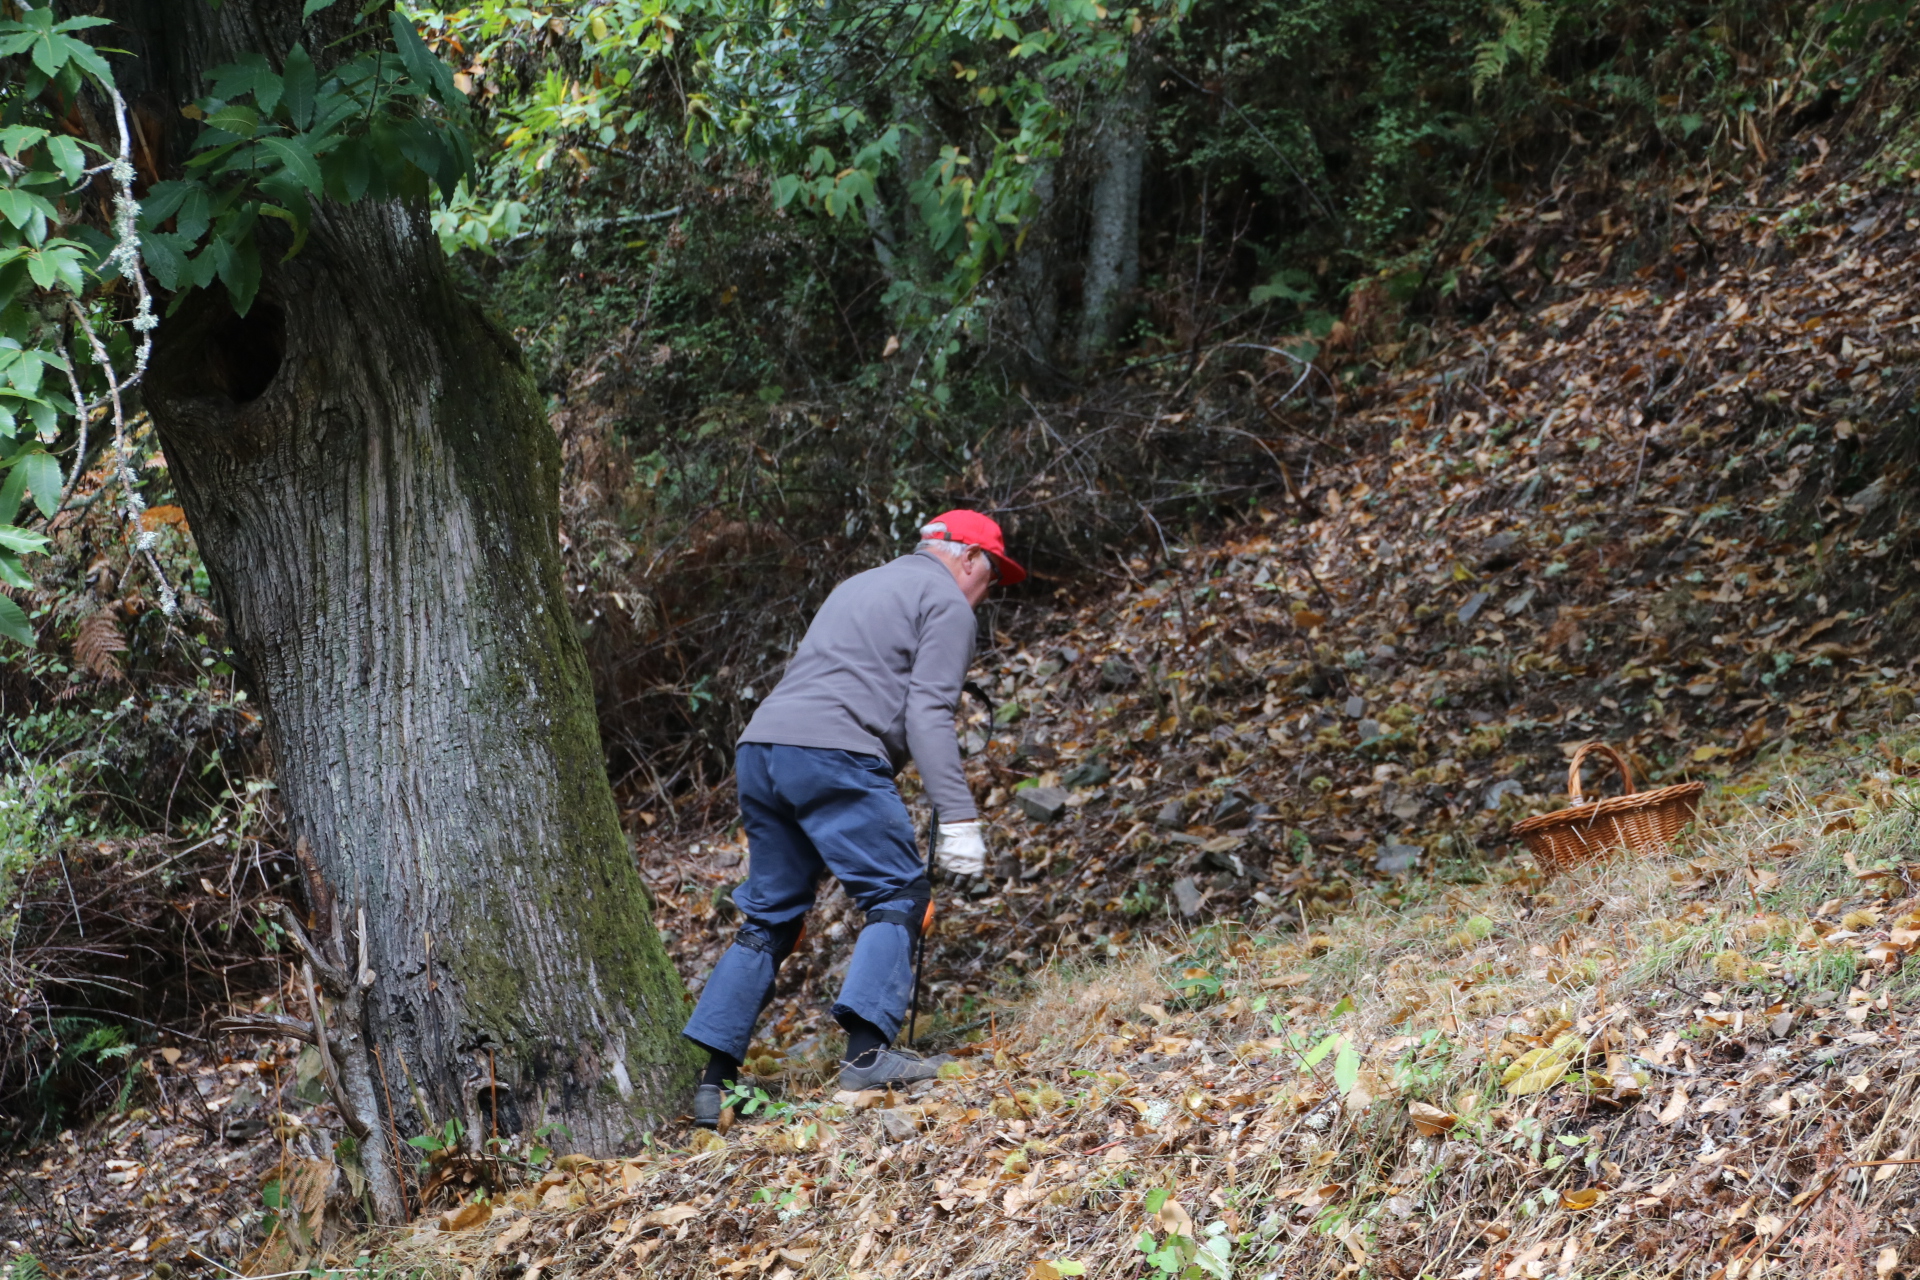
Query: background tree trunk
(1113, 233)
(374, 489)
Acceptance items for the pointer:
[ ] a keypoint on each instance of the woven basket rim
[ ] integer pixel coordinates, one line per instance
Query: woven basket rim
(1612, 805)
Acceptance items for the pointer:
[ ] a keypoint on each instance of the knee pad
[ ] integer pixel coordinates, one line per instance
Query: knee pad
(917, 916)
(773, 940)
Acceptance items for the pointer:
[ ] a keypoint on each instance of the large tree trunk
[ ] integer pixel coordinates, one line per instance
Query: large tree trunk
(1113, 233)
(373, 486)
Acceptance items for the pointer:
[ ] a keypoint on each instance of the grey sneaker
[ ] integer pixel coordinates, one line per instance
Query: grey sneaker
(890, 1068)
(707, 1106)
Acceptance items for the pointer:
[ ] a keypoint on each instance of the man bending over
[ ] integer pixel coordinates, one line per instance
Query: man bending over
(874, 682)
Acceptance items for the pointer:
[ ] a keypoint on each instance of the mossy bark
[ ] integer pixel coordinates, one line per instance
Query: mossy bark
(373, 486)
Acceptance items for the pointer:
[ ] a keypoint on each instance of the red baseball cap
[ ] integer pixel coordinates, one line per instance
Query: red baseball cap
(975, 530)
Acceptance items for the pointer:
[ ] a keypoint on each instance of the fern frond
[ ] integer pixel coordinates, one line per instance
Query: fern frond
(98, 645)
(1526, 37)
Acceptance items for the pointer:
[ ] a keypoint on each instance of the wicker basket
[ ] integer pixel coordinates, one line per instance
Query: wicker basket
(1642, 822)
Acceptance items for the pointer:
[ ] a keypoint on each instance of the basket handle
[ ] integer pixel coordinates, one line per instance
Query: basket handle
(1579, 757)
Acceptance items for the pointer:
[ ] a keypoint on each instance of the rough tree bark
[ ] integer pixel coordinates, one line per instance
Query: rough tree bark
(1113, 233)
(373, 486)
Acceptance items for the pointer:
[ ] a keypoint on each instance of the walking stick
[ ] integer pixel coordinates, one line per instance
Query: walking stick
(920, 935)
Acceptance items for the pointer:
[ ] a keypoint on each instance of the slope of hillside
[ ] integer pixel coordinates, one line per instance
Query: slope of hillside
(1507, 548)
(1257, 972)
(1698, 1065)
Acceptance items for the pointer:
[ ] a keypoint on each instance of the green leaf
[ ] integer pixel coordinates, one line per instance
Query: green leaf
(299, 79)
(1346, 1068)
(18, 137)
(81, 54)
(13, 624)
(12, 574)
(298, 159)
(1156, 1199)
(42, 471)
(44, 270)
(195, 215)
(238, 266)
(201, 266)
(66, 264)
(10, 494)
(297, 213)
(67, 157)
(165, 256)
(1313, 1056)
(312, 7)
(16, 539)
(162, 199)
(23, 375)
(46, 57)
(431, 73)
(235, 118)
(349, 169)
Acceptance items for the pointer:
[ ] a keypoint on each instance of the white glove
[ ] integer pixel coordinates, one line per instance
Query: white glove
(960, 849)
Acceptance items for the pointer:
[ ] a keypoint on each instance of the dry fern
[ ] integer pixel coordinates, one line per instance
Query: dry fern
(98, 645)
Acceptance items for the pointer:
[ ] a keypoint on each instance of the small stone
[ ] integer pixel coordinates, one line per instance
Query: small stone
(1116, 673)
(1397, 859)
(1501, 542)
(1471, 609)
(1518, 604)
(1232, 813)
(1500, 791)
(1171, 814)
(1229, 863)
(1186, 895)
(898, 1125)
(1403, 805)
(1088, 773)
(1369, 730)
(1042, 804)
(1068, 655)
(1356, 707)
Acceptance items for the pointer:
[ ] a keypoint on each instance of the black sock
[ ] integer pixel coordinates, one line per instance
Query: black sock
(864, 1040)
(721, 1070)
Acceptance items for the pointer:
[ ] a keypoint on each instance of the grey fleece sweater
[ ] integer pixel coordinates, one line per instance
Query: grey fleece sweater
(879, 673)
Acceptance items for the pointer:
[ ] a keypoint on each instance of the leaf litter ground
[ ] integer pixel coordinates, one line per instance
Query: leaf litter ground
(1255, 974)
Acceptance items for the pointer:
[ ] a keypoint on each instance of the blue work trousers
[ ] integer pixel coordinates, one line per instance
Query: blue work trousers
(809, 812)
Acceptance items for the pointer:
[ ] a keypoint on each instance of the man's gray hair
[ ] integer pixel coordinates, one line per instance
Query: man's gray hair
(947, 547)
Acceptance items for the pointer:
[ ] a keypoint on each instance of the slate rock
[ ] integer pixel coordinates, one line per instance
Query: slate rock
(1370, 729)
(1088, 773)
(1397, 859)
(898, 1125)
(1500, 791)
(1233, 812)
(1471, 609)
(1356, 707)
(1171, 814)
(1186, 896)
(1403, 805)
(1042, 804)
(1116, 673)
(1229, 863)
